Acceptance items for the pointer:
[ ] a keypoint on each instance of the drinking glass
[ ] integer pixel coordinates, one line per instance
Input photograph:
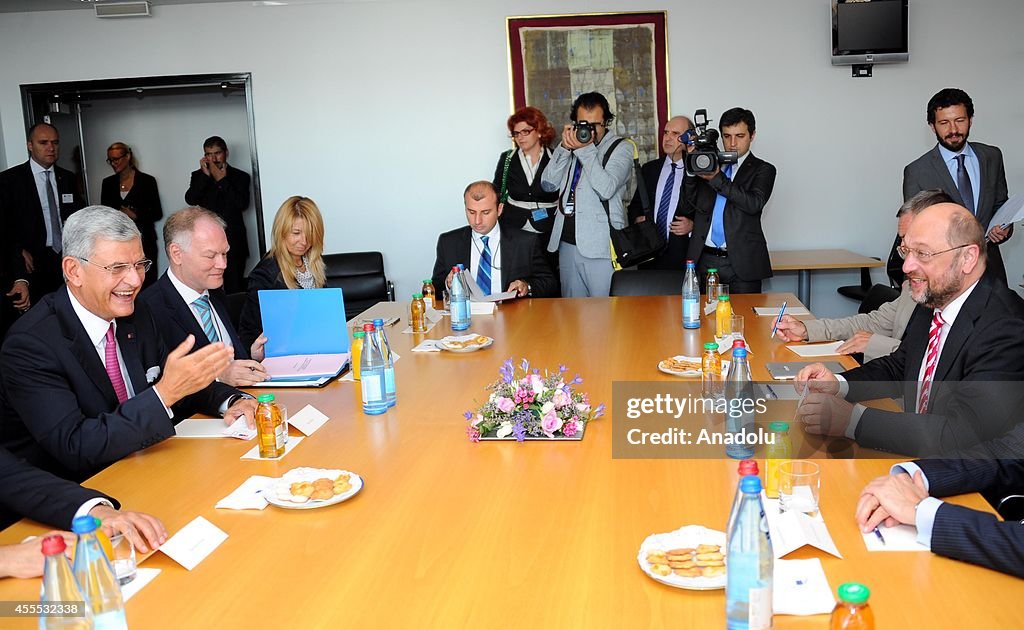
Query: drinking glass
(123, 560)
(799, 486)
(737, 326)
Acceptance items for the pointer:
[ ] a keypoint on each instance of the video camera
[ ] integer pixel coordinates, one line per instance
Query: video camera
(706, 157)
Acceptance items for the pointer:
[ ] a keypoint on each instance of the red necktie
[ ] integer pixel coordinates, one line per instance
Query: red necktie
(113, 368)
(931, 357)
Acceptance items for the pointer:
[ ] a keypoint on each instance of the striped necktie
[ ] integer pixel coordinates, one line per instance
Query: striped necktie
(963, 183)
(666, 198)
(205, 311)
(931, 358)
(483, 272)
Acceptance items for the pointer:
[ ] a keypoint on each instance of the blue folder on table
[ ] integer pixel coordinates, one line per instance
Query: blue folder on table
(307, 340)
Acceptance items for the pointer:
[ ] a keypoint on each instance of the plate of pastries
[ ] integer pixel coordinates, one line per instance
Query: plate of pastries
(692, 557)
(681, 365)
(308, 488)
(465, 343)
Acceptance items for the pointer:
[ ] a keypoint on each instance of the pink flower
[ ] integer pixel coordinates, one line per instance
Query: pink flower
(505, 405)
(524, 396)
(550, 423)
(473, 433)
(570, 428)
(477, 420)
(560, 399)
(583, 407)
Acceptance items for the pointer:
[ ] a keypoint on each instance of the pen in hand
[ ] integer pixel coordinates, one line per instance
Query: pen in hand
(775, 327)
(879, 535)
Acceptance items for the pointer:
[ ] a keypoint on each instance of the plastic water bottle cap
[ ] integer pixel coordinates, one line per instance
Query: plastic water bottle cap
(852, 592)
(378, 322)
(739, 343)
(711, 345)
(83, 524)
(52, 545)
(712, 270)
(367, 328)
(748, 467)
(265, 398)
(750, 484)
(417, 296)
(359, 334)
(723, 298)
(778, 427)
(739, 353)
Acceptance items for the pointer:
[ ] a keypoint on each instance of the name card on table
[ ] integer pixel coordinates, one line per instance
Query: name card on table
(792, 530)
(193, 542)
(308, 419)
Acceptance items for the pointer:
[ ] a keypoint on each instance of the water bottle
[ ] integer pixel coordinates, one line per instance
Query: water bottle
(748, 587)
(711, 287)
(371, 373)
(459, 307)
(691, 297)
(390, 394)
(95, 577)
(739, 414)
(747, 467)
(60, 587)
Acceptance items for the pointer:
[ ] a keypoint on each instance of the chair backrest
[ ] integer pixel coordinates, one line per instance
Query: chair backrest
(877, 296)
(647, 282)
(360, 275)
(235, 303)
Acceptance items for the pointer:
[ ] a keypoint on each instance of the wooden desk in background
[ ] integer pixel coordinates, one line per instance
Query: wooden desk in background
(451, 534)
(804, 261)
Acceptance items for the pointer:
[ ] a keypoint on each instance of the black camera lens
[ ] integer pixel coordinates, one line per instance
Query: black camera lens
(584, 132)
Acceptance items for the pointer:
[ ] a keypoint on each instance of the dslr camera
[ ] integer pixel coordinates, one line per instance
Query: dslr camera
(706, 157)
(584, 131)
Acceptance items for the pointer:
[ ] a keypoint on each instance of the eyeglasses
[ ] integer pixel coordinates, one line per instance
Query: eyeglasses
(111, 160)
(120, 270)
(923, 256)
(522, 133)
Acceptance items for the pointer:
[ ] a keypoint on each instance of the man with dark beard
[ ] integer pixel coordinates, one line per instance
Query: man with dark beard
(971, 173)
(960, 362)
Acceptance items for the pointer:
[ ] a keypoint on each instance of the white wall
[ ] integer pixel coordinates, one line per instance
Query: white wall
(383, 111)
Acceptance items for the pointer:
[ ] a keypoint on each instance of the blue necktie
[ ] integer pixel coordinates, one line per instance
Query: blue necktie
(963, 183)
(666, 198)
(483, 271)
(202, 305)
(717, 216)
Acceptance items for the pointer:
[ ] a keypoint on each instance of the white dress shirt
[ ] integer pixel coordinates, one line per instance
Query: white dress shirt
(677, 186)
(190, 295)
(476, 246)
(735, 169)
(972, 165)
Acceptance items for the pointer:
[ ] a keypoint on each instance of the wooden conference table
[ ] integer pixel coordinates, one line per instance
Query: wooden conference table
(451, 534)
(804, 261)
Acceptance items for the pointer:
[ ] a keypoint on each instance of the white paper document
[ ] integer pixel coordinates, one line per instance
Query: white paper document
(816, 349)
(799, 587)
(899, 538)
(482, 308)
(248, 496)
(213, 428)
(773, 311)
(308, 419)
(254, 452)
(1010, 212)
(142, 578)
(193, 542)
(792, 530)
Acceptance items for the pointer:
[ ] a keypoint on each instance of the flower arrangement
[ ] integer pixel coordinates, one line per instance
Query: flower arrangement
(528, 403)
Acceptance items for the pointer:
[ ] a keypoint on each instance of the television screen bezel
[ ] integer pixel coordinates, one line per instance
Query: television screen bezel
(865, 57)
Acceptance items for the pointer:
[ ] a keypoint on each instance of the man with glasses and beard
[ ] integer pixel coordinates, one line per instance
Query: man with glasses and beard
(959, 365)
(970, 172)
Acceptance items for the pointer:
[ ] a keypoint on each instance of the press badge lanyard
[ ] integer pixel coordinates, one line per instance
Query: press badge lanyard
(570, 207)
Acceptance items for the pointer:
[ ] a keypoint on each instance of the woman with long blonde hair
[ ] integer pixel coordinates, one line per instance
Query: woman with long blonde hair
(295, 260)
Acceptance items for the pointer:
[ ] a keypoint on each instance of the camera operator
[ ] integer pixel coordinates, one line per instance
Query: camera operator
(726, 206)
(587, 181)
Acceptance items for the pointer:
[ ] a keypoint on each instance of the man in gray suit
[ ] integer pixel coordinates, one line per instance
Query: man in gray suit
(591, 173)
(970, 172)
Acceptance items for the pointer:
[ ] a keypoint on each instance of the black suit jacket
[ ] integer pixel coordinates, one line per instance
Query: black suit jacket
(746, 195)
(229, 198)
(26, 491)
(59, 410)
(973, 536)
(520, 189)
(929, 171)
(265, 275)
(975, 394)
(19, 203)
(676, 247)
(175, 320)
(144, 199)
(519, 256)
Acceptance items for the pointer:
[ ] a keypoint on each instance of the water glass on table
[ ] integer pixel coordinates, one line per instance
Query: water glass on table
(737, 326)
(799, 486)
(123, 559)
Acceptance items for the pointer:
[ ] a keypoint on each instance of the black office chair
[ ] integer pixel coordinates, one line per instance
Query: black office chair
(235, 303)
(647, 282)
(858, 291)
(360, 275)
(877, 296)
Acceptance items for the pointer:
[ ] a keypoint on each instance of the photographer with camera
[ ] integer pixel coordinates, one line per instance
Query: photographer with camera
(725, 201)
(590, 169)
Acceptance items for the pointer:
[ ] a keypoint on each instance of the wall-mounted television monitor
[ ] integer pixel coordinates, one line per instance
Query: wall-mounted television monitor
(869, 32)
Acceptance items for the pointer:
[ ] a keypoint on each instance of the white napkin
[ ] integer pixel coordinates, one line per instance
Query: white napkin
(142, 578)
(247, 496)
(428, 345)
(254, 452)
(430, 325)
(799, 587)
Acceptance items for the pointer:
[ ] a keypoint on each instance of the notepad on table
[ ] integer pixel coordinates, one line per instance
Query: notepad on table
(816, 349)
(773, 311)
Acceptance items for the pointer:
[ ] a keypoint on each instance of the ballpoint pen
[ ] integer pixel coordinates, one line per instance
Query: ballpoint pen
(879, 535)
(775, 327)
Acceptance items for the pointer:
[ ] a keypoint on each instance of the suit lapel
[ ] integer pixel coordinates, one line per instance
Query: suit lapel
(181, 312)
(32, 195)
(128, 342)
(935, 159)
(219, 301)
(82, 347)
(962, 329)
(986, 190)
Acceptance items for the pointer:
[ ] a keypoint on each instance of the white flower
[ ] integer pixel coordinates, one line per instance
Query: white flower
(505, 429)
(547, 408)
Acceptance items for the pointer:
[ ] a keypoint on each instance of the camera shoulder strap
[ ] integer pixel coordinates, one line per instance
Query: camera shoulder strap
(503, 195)
(604, 162)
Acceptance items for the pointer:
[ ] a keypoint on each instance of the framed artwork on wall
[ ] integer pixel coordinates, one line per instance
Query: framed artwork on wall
(555, 58)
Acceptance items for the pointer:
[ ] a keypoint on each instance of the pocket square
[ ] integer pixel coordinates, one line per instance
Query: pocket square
(152, 374)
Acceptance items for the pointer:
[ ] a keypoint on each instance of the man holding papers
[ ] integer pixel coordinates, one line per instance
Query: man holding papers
(189, 298)
(952, 530)
(86, 378)
(496, 259)
(879, 332)
(959, 365)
